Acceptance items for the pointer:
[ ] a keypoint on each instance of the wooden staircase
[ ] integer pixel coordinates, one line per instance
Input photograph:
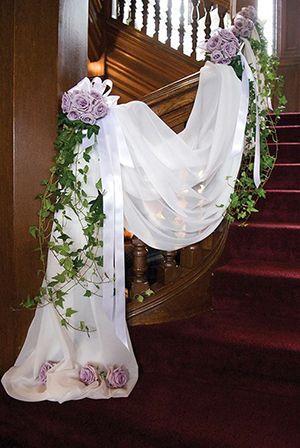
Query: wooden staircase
(141, 67)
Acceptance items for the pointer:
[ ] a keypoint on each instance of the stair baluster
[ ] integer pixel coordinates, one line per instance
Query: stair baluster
(191, 256)
(222, 12)
(167, 270)
(169, 23)
(120, 10)
(208, 4)
(145, 16)
(195, 20)
(156, 19)
(132, 13)
(139, 282)
(181, 29)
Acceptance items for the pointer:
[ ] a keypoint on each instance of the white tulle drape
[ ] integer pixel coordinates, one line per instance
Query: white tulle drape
(171, 187)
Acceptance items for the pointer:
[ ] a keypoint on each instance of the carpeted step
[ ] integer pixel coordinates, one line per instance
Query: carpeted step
(285, 176)
(272, 288)
(288, 133)
(279, 206)
(264, 241)
(247, 344)
(289, 119)
(287, 152)
(182, 412)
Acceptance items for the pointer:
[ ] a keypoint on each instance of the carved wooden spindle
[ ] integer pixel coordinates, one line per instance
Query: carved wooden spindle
(191, 256)
(195, 20)
(132, 13)
(139, 282)
(208, 6)
(145, 16)
(120, 10)
(156, 19)
(222, 12)
(181, 29)
(169, 23)
(167, 270)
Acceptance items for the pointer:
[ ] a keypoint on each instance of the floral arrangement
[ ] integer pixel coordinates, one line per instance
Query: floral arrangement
(244, 22)
(85, 106)
(114, 378)
(222, 47)
(64, 191)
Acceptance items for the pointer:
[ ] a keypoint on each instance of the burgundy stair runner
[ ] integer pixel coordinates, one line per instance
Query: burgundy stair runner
(227, 379)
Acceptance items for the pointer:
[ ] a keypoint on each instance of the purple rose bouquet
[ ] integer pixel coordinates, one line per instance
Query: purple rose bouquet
(222, 46)
(83, 105)
(244, 22)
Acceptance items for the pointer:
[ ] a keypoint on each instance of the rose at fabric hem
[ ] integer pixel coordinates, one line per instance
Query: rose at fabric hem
(44, 370)
(88, 374)
(117, 377)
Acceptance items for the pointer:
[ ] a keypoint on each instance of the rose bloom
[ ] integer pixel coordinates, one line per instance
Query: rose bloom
(81, 102)
(88, 374)
(66, 102)
(100, 109)
(117, 377)
(73, 115)
(249, 12)
(227, 35)
(239, 21)
(218, 57)
(230, 50)
(245, 32)
(213, 43)
(235, 31)
(88, 117)
(44, 370)
(95, 94)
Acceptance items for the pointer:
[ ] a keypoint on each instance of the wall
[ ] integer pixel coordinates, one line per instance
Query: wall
(45, 52)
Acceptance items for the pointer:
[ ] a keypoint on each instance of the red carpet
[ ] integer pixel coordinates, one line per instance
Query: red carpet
(227, 379)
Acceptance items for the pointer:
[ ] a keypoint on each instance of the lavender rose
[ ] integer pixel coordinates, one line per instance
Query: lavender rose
(245, 32)
(227, 35)
(96, 95)
(82, 102)
(73, 115)
(218, 57)
(66, 102)
(230, 50)
(117, 378)
(88, 117)
(44, 370)
(213, 43)
(239, 22)
(249, 12)
(88, 374)
(100, 109)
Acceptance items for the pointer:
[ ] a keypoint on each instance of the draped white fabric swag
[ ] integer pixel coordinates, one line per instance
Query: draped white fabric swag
(168, 187)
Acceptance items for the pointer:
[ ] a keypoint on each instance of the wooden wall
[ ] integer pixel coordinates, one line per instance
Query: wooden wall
(45, 52)
(288, 41)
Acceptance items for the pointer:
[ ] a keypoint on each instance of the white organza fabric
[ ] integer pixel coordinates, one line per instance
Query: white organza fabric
(173, 187)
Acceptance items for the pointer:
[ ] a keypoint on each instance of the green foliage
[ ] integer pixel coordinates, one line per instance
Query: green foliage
(245, 195)
(64, 192)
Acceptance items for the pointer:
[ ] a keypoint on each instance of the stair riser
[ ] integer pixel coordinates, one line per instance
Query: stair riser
(273, 296)
(284, 178)
(287, 153)
(270, 244)
(202, 356)
(289, 119)
(288, 134)
(278, 207)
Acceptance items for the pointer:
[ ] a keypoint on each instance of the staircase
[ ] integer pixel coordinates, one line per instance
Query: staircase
(226, 379)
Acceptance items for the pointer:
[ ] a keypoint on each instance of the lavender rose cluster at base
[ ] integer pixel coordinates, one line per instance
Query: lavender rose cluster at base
(115, 378)
(84, 106)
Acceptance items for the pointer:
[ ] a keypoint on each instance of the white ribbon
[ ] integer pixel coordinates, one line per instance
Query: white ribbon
(239, 136)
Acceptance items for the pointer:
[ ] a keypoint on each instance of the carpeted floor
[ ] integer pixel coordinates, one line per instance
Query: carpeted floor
(227, 379)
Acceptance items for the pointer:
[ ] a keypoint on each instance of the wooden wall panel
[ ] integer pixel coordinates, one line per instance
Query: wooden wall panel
(288, 42)
(45, 51)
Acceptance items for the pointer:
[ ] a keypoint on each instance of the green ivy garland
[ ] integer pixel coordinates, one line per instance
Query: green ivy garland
(245, 196)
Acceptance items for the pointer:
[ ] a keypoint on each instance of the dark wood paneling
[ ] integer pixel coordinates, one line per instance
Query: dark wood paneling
(45, 51)
(288, 42)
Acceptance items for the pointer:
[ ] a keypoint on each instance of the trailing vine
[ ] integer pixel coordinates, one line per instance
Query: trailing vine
(245, 196)
(64, 195)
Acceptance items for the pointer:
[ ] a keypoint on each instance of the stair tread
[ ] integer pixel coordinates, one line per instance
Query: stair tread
(261, 268)
(269, 225)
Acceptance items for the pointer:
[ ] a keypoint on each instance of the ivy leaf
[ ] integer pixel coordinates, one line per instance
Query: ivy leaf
(139, 298)
(69, 312)
(87, 293)
(33, 231)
